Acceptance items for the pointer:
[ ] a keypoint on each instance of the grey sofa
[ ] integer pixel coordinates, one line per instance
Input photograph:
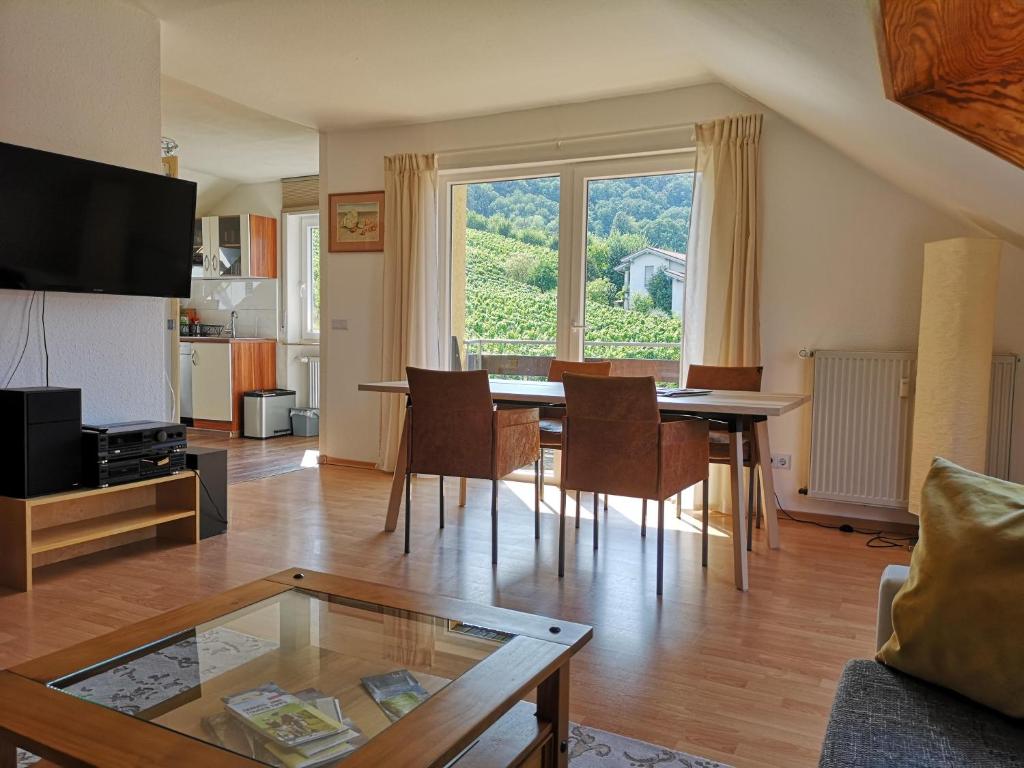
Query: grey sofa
(882, 718)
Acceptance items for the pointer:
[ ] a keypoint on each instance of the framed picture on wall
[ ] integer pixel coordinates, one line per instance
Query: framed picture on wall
(356, 222)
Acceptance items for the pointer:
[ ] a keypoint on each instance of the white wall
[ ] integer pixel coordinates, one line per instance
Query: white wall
(842, 254)
(83, 79)
(263, 199)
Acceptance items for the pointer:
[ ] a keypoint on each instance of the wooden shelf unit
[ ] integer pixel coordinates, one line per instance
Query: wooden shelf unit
(61, 526)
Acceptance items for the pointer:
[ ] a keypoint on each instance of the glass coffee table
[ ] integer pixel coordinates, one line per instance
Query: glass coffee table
(303, 669)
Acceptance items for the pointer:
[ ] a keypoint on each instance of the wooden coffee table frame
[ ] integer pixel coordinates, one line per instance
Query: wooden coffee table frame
(484, 705)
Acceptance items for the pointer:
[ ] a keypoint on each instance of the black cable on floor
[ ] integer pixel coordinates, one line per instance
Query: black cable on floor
(877, 539)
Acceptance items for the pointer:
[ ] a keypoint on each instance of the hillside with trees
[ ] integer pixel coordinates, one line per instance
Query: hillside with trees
(512, 261)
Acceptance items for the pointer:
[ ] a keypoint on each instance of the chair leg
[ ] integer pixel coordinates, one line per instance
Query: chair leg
(750, 509)
(595, 521)
(606, 502)
(679, 506)
(462, 491)
(537, 485)
(494, 522)
(577, 509)
(561, 533)
(706, 514)
(408, 508)
(643, 519)
(661, 543)
(758, 499)
(441, 500)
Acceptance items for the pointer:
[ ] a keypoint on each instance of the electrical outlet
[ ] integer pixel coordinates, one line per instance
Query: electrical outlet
(782, 461)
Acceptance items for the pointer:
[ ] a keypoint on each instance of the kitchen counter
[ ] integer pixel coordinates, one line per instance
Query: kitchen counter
(220, 339)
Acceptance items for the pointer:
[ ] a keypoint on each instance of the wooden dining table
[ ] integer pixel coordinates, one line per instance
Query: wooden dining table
(740, 411)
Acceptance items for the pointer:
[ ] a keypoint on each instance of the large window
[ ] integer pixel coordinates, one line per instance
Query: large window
(583, 260)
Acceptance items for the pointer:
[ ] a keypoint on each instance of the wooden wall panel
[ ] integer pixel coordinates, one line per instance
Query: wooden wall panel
(960, 64)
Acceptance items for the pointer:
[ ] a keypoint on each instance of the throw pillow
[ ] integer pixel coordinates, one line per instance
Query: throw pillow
(958, 621)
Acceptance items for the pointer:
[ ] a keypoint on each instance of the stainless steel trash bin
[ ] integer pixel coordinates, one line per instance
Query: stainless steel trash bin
(266, 413)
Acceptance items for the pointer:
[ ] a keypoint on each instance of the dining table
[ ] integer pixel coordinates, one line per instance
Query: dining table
(738, 411)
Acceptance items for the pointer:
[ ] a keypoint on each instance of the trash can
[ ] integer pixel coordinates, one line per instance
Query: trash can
(265, 413)
(305, 422)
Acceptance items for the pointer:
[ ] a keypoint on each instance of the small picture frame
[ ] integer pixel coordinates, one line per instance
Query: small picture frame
(356, 222)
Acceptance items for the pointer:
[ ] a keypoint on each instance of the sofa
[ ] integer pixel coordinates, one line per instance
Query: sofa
(882, 718)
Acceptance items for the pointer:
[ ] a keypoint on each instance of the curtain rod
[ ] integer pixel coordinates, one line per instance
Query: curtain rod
(558, 143)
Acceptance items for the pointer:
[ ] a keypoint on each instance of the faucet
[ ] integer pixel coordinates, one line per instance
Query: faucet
(231, 325)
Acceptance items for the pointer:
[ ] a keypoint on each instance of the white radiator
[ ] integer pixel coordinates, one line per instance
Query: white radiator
(861, 425)
(1000, 416)
(314, 381)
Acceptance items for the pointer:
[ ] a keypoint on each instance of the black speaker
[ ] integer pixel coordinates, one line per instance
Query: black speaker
(43, 451)
(212, 465)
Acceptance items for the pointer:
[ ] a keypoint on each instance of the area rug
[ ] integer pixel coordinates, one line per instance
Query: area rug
(594, 748)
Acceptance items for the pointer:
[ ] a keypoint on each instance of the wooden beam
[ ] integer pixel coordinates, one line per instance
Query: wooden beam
(960, 64)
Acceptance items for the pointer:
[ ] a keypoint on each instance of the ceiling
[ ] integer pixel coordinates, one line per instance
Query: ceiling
(349, 63)
(815, 62)
(314, 64)
(228, 140)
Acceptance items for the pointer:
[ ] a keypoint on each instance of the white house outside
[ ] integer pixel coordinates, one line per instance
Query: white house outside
(638, 269)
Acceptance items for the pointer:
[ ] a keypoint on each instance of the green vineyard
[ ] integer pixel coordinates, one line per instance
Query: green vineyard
(511, 294)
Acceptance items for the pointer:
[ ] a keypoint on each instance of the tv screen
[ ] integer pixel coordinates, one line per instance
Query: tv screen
(68, 224)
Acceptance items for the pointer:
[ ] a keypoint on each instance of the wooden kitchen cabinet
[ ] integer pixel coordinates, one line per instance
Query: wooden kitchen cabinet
(244, 245)
(223, 370)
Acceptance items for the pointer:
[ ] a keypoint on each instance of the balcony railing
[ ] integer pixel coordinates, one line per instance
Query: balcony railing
(498, 358)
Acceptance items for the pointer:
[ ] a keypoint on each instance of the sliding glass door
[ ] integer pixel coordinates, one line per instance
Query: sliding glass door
(579, 260)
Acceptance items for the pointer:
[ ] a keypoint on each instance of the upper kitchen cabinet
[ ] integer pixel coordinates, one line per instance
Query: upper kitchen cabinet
(234, 246)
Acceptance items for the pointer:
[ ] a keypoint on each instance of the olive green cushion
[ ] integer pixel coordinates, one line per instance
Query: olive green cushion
(958, 621)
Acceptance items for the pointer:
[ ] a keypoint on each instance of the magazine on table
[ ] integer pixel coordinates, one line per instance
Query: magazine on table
(252, 719)
(398, 693)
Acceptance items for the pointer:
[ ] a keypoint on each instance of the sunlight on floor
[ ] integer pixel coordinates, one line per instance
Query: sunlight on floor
(630, 509)
(310, 459)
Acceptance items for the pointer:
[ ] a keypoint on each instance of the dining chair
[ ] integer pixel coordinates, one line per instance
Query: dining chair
(651, 459)
(552, 418)
(736, 379)
(454, 429)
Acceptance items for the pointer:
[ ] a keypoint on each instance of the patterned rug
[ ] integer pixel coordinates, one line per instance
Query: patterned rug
(589, 748)
(594, 748)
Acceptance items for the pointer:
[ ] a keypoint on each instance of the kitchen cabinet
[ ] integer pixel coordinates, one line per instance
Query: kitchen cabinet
(211, 382)
(222, 371)
(234, 246)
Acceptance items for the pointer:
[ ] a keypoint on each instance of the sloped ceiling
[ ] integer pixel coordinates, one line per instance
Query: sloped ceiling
(352, 63)
(815, 62)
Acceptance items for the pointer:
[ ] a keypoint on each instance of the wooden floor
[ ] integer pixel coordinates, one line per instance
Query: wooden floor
(250, 459)
(742, 678)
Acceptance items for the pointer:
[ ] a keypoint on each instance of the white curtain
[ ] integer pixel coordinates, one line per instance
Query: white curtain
(721, 314)
(411, 278)
(722, 311)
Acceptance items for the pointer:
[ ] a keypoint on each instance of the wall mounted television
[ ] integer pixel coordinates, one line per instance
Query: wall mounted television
(68, 224)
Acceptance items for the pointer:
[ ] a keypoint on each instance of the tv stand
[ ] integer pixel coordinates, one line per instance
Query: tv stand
(61, 526)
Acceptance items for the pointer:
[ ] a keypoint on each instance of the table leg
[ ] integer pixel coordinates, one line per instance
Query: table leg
(553, 706)
(771, 508)
(8, 754)
(398, 482)
(739, 519)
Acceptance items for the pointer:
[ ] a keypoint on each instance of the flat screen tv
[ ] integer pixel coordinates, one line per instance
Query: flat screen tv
(75, 225)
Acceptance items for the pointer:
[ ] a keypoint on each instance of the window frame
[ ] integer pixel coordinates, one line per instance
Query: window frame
(306, 223)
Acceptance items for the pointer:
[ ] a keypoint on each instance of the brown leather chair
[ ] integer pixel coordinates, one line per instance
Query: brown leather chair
(652, 459)
(454, 429)
(736, 379)
(553, 417)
